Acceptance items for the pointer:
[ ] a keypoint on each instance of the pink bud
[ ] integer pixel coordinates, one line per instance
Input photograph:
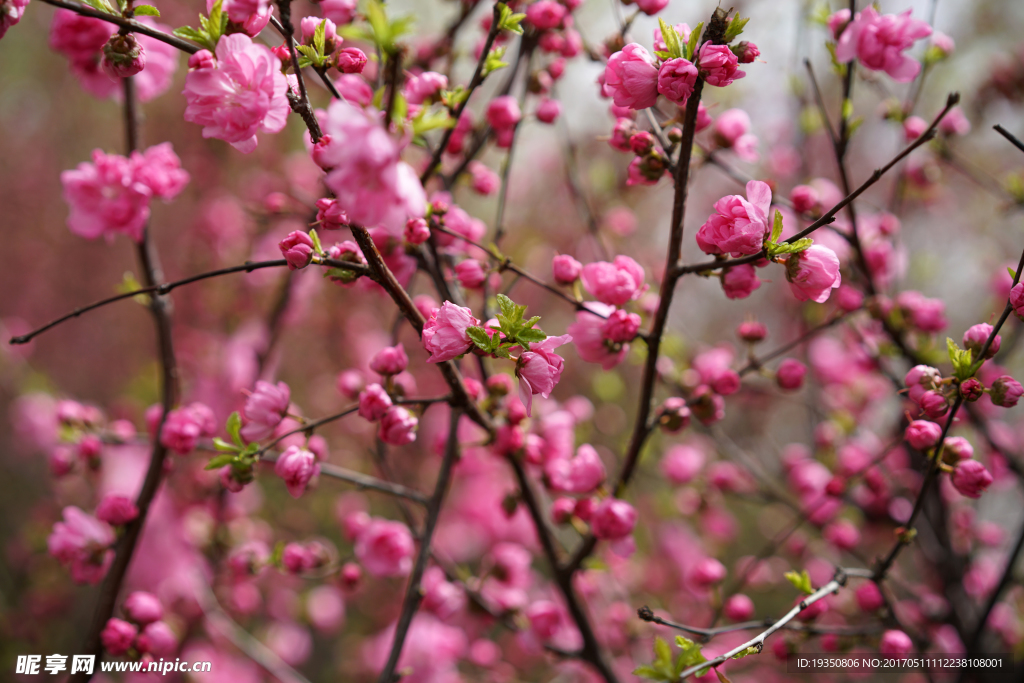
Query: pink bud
(566, 269)
(970, 478)
(751, 331)
(350, 383)
(790, 374)
(895, 643)
(674, 415)
(417, 231)
(1005, 391)
(561, 510)
(350, 575)
(843, 534)
(296, 558)
(202, 60)
(374, 402)
(117, 636)
(350, 60)
(143, 608)
(398, 426)
(548, 110)
(613, 519)
(296, 466)
(682, 463)
(805, 199)
(157, 639)
(869, 597)
(933, 404)
(738, 607)
(123, 56)
(914, 127)
(471, 273)
(706, 572)
(922, 435)
(116, 510)
(959, 447)
(975, 338)
(390, 360)
(503, 113)
(297, 249)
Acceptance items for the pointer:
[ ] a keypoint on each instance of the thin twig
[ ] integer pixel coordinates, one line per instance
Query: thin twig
(130, 24)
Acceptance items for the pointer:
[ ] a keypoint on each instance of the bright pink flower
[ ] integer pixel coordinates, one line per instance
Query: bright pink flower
(922, 435)
(805, 199)
(244, 94)
(741, 281)
(444, 335)
(1005, 391)
(621, 327)
(82, 544)
(927, 315)
(740, 224)
(718, 65)
(614, 283)
(790, 374)
(422, 86)
(652, 7)
(184, 426)
(738, 607)
(868, 597)
(116, 510)
(959, 447)
(813, 273)
(588, 333)
(341, 12)
(613, 519)
(297, 248)
(106, 197)
(117, 636)
(955, 123)
(483, 179)
(676, 79)
(730, 126)
(879, 42)
(372, 185)
(565, 268)
(158, 640)
(581, 474)
(350, 60)
(159, 169)
(539, 369)
(10, 13)
(390, 360)
(470, 273)
(296, 466)
(503, 113)
(895, 642)
(706, 572)
(548, 110)
(398, 426)
(682, 463)
(631, 78)
(843, 534)
(975, 338)
(374, 402)
(143, 608)
(329, 214)
(545, 14)
(385, 548)
(264, 409)
(914, 127)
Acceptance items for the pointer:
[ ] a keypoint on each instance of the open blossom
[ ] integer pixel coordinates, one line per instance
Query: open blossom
(372, 185)
(385, 548)
(740, 281)
(631, 78)
(740, 224)
(242, 94)
(589, 335)
(444, 335)
(539, 369)
(581, 474)
(676, 79)
(116, 510)
(813, 273)
(398, 426)
(422, 86)
(82, 544)
(879, 42)
(613, 519)
(264, 409)
(718, 65)
(184, 426)
(970, 478)
(296, 466)
(614, 283)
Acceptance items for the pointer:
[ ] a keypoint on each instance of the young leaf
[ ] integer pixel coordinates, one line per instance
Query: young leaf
(189, 33)
(691, 46)
(777, 227)
(744, 653)
(722, 677)
(319, 248)
(847, 109)
(509, 21)
(1012, 272)
(479, 337)
(425, 121)
(493, 61)
(320, 38)
(146, 11)
(531, 335)
(735, 28)
(691, 653)
(801, 581)
(222, 445)
(507, 306)
(671, 39)
(648, 672)
(234, 429)
(220, 461)
(213, 26)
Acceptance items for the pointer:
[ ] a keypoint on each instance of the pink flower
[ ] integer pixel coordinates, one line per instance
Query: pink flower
(296, 466)
(895, 642)
(652, 7)
(470, 273)
(143, 608)
(242, 95)
(545, 618)
(790, 374)
(565, 268)
(843, 534)
(613, 519)
(10, 13)
(398, 426)
(975, 338)
(385, 548)
(914, 127)
(539, 369)
(738, 607)
(548, 110)
(184, 426)
(341, 12)
(82, 544)
(106, 197)
(730, 126)
(123, 56)
(116, 510)
(676, 79)
(503, 113)
(868, 597)
(746, 52)
(264, 409)
(545, 14)
(372, 185)
(813, 273)
(959, 447)
(631, 78)
(922, 435)
(614, 283)
(621, 327)
(329, 214)
(444, 335)
(740, 224)
(741, 281)
(927, 315)
(374, 402)
(805, 199)
(1005, 391)
(718, 65)
(955, 123)
(117, 636)
(157, 639)
(1017, 299)
(297, 249)
(422, 86)
(350, 60)
(588, 333)
(484, 180)
(682, 463)
(390, 360)
(581, 474)
(706, 573)
(879, 42)
(159, 169)
(241, 11)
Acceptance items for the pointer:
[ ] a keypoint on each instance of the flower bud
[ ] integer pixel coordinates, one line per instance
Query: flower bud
(751, 331)
(613, 519)
(922, 435)
(471, 273)
(116, 510)
(1005, 391)
(122, 56)
(738, 607)
(143, 608)
(933, 404)
(896, 643)
(297, 249)
(566, 269)
(390, 360)
(117, 636)
(374, 402)
(975, 338)
(417, 231)
(790, 375)
(548, 110)
(971, 389)
(746, 52)
(641, 143)
(674, 415)
(350, 60)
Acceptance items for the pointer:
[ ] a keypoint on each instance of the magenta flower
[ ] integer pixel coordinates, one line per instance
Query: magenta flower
(676, 79)
(738, 607)
(614, 283)
(117, 636)
(350, 60)
(422, 86)
(879, 42)
(545, 14)
(548, 110)
(718, 65)
(116, 510)
(565, 268)
(613, 519)
(581, 474)
(444, 335)
(242, 95)
(741, 281)
(922, 435)
(631, 78)
(264, 409)
(790, 374)
(296, 466)
(159, 169)
(470, 273)
(185, 426)
(652, 7)
(385, 548)
(706, 572)
(390, 360)
(682, 463)
(143, 608)
(82, 544)
(503, 113)
(374, 402)
(297, 248)
(588, 333)
(740, 224)
(1005, 391)
(895, 642)
(157, 639)
(398, 426)
(539, 369)
(970, 478)
(813, 273)
(621, 327)
(10, 13)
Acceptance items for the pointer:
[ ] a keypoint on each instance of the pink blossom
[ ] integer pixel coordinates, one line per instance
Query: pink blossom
(879, 42)
(116, 510)
(970, 478)
(631, 78)
(613, 519)
(184, 426)
(652, 7)
(730, 126)
(444, 335)
(676, 79)
(329, 214)
(242, 95)
(503, 113)
(122, 57)
(341, 12)
(565, 268)
(82, 544)
(738, 607)
(922, 435)
(740, 224)
(417, 231)
(813, 273)
(960, 447)
(350, 60)
(10, 13)
(718, 65)
(157, 639)
(790, 374)
(159, 169)
(581, 474)
(483, 179)
(548, 110)
(545, 14)
(895, 642)
(914, 127)
(588, 333)
(374, 402)
(372, 185)
(398, 426)
(106, 197)
(614, 283)
(621, 327)
(843, 534)
(390, 360)
(143, 608)
(1005, 391)
(470, 273)
(955, 123)
(264, 409)
(868, 597)
(746, 52)
(805, 199)
(117, 636)
(539, 369)
(296, 466)
(422, 86)
(385, 548)
(706, 572)
(682, 463)
(927, 315)
(741, 281)
(440, 596)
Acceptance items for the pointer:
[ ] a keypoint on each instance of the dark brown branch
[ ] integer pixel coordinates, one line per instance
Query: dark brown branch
(646, 614)
(130, 24)
(300, 103)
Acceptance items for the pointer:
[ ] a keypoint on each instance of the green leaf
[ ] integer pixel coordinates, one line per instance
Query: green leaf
(532, 321)
(663, 56)
(251, 449)
(101, 5)
(671, 38)
(648, 672)
(531, 335)
(480, 337)
(217, 21)
(735, 28)
(745, 653)
(507, 307)
(146, 11)
(510, 21)
(319, 38)
(691, 654)
(801, 581)
(222, 445)
(691, 46)
(847, 109)
(220, 461)
(790, 247)
(493, 61)
(777, 227)
(189, 33)
(454, 97)
(964, 366)
(1012, 272)
(426, 121)
(316, 242)
(234, 428)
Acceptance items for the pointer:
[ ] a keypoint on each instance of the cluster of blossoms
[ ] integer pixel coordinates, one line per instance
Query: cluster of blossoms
(397, 424)
(141, 634)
